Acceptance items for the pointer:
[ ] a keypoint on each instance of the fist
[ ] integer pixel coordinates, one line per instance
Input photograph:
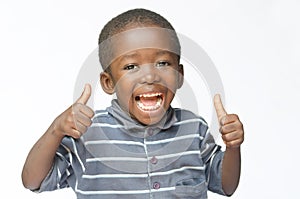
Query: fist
(77, 118)
(231, 128)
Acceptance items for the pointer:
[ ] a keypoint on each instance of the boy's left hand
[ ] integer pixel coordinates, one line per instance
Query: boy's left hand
(231, 127)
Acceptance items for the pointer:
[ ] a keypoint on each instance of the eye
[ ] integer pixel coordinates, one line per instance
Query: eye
(162, 64)
(130, 67)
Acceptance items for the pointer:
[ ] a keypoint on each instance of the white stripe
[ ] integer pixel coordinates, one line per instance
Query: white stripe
(59, 177)
(112, 142)
(189, 121)
(115, 192)
(176, 170)
(116, 159)
(212, 153)
(143, 159)
(102, 113)
(114, 126)
(140, 144)
(210, 164)
(177, 154)
(68, 172)
(175, 139)
(69, 154)
(76, 153)
(59, 154)
(121, 126)
(115, 176)
(143, 175)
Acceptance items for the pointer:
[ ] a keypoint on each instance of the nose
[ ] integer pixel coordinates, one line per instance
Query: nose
(149, 74)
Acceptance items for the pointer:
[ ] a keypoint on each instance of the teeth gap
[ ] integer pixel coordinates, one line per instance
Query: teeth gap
(137, 98)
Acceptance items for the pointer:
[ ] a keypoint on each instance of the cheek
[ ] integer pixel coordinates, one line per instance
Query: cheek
(124, 90)
(172, 82)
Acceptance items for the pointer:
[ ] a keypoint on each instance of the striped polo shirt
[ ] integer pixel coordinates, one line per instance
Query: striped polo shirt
(120, 158)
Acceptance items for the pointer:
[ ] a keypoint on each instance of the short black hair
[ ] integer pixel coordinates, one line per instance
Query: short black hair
(131, 19)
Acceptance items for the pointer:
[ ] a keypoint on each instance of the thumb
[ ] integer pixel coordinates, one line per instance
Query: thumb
(86, 94)
(220, 110)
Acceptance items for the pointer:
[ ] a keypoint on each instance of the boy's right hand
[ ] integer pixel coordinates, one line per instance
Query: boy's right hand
(77, 118)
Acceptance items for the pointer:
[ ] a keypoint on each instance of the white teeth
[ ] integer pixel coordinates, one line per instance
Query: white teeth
(149, 108)
(150, 95)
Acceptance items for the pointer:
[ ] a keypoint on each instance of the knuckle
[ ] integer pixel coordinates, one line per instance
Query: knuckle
(75, 107)
(235, 116)
(83, 130)
(70, 122)
(73, 114)
(76, 135)
(224, 137)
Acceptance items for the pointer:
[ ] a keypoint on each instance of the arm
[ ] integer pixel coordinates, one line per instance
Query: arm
(72, 122)
(40, 158)
(231, 169)
(233, 136)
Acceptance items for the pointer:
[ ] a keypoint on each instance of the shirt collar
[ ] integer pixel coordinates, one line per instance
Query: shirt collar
(135, 126)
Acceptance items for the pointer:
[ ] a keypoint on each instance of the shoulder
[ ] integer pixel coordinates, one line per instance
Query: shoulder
(100, 114)
(103, 116)
(187, 115)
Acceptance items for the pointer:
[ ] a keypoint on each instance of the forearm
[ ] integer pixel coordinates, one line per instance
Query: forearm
(40, 158)
(231, 168)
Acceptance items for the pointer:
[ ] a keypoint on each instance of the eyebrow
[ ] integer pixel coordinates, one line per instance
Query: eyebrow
(135, 54)
(129, 56)
(163, 52)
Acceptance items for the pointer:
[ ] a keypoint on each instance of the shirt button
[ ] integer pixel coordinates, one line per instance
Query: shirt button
(150, 132)
(154, 160)
(156, 185)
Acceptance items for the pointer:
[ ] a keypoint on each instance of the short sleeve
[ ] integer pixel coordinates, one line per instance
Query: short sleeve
(60, 171)
(212, 156)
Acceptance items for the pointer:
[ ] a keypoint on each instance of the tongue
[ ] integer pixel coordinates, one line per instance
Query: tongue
(148, 101)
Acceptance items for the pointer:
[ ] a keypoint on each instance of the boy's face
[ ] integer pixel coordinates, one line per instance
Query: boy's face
(145, 79)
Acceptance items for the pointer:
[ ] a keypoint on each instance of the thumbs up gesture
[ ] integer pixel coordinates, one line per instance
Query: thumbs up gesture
(231, 127)
(77, 118)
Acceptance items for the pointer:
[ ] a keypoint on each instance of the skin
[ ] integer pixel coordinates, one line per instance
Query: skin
(232, 132)
(72, 122)
(144, 71)
(141, 71)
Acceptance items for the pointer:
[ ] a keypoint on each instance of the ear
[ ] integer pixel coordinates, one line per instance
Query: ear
(180, 76)
(107, 83)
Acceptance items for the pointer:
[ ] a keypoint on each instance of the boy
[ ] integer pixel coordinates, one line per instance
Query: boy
(139, 147)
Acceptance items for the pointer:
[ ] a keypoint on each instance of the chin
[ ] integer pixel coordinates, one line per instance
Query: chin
(150, 117)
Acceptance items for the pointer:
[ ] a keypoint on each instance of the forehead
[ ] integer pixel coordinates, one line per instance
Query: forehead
(142, 38)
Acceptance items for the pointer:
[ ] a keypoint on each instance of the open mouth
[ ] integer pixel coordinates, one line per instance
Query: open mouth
(149, 101)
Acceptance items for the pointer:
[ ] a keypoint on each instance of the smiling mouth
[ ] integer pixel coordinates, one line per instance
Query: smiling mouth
(149, 101)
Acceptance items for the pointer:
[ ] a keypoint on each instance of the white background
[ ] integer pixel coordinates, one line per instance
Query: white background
(255, 46)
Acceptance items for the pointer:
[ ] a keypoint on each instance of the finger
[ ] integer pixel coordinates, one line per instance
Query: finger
(83, 119)
(86, 110)
(80, 127)
(229, 127)
(231, 118)
(86, 94)
(220, 110)
(235, 135)
(75, 133)
(234, 143)
(72, 131)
